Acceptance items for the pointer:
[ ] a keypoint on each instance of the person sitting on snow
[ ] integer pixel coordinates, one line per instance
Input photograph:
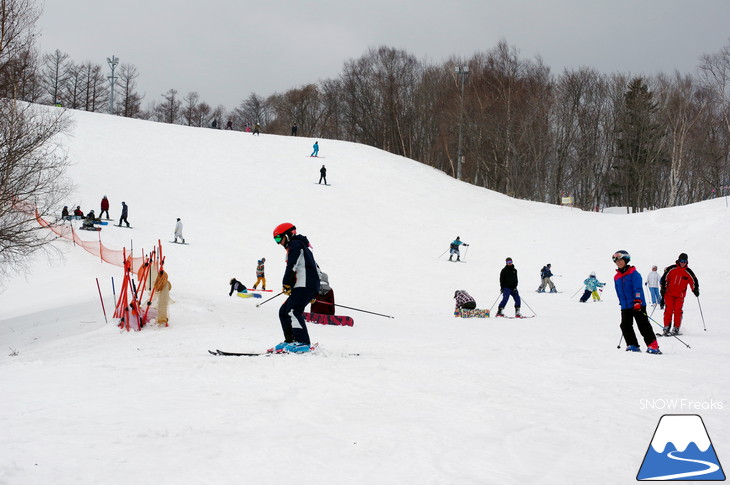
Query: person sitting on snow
(237, 286)
(464, 300)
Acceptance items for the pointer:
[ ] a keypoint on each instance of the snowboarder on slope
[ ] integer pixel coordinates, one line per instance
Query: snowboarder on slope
(633, 306)
(674, 284)
(300, 283)
(324, 301)
(454, 248)
(316, 149)
(322, 175)
(237, 286)
(104, 207)
(260, 277)
(125, 211)
(508, 287)
(178, 231)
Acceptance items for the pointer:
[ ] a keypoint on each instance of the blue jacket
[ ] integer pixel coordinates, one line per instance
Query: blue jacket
(629, 287)
(592, 283)
(301, 268)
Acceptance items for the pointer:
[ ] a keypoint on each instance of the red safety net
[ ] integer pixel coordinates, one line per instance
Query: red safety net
(97, 248)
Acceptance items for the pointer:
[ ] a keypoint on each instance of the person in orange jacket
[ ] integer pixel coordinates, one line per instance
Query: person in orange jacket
(674, 284)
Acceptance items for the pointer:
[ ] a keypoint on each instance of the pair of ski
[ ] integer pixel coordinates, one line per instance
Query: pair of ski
(256, 354)
(505, 316)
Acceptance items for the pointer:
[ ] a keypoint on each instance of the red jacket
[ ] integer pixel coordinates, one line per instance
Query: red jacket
(105, 204)
(675, 280)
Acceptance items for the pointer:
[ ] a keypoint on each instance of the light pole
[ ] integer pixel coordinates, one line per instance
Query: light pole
(462, 72)
(113, 61)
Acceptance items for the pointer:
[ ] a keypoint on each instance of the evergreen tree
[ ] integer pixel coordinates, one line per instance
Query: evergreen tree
(638, 149)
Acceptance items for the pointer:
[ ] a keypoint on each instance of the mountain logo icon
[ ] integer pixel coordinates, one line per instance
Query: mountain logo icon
(681, 450)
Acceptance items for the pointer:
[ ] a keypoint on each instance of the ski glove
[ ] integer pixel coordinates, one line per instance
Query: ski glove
(661, 303)
(696, 291)
(637, 304)
(286, 289)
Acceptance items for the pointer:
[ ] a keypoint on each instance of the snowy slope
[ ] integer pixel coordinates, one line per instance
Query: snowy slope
(430, 399)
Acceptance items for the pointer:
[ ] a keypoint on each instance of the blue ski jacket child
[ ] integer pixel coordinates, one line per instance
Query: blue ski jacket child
(629, 287)
(592, 283)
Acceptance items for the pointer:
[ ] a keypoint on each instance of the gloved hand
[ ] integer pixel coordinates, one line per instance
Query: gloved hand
(696, 291)
(661, 303)
(286, 289)
(637, 304)
(646, 283)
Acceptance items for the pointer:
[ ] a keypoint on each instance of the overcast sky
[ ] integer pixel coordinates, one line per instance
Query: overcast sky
(228, 49)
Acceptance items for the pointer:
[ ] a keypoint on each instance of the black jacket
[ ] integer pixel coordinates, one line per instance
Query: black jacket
(508, 277)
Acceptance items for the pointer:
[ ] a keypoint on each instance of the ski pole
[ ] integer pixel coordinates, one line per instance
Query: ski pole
(528, 306)
(701, 315)
(442, 254)
(580, 288)
(662, 326)
(619, 341)
(102, 300)
(495, 302)
(357, 309)
(465, 251)
(278, 294)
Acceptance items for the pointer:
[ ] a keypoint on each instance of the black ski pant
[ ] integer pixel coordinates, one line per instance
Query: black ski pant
(291, 318)
(322, 177)
(642, 322)
(102, 213)
(586, 295)
(123, 219)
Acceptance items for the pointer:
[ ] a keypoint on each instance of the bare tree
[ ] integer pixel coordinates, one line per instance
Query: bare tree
(17, 39)
(131, 100)
(55, 73)
(31, 178)
(168, 111)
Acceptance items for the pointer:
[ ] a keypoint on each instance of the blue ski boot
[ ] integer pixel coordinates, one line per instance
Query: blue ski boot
(633, 348)
(297, 348)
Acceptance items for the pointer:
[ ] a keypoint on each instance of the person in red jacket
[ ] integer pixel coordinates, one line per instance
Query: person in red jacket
(674, 284)
(104, 207)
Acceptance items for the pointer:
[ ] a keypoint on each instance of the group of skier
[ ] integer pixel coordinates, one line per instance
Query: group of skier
(90, 218)
(673, 288)
(669, 290)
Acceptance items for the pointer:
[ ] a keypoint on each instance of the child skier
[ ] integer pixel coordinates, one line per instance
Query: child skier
(592, 285)
(300, 283)
(633, 306)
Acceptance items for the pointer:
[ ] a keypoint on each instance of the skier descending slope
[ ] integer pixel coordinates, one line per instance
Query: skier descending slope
(633, 306)
(301, 283)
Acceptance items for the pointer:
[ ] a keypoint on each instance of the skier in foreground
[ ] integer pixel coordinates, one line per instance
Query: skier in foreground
(300, 283)
(630, 294)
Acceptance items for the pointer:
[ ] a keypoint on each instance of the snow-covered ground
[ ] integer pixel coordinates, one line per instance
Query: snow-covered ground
(430, 399)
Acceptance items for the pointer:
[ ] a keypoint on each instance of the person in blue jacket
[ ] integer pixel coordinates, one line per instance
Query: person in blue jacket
(630, 292)
(454, 248)
(315, 152)
(300, 283)
(592, 284)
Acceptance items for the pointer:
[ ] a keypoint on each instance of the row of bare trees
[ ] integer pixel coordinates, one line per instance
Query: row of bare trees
(604, 139)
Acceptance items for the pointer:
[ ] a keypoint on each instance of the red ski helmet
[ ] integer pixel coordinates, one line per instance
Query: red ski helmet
(283, 229)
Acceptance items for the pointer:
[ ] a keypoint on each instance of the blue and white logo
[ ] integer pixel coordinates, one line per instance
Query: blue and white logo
(681, 450)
